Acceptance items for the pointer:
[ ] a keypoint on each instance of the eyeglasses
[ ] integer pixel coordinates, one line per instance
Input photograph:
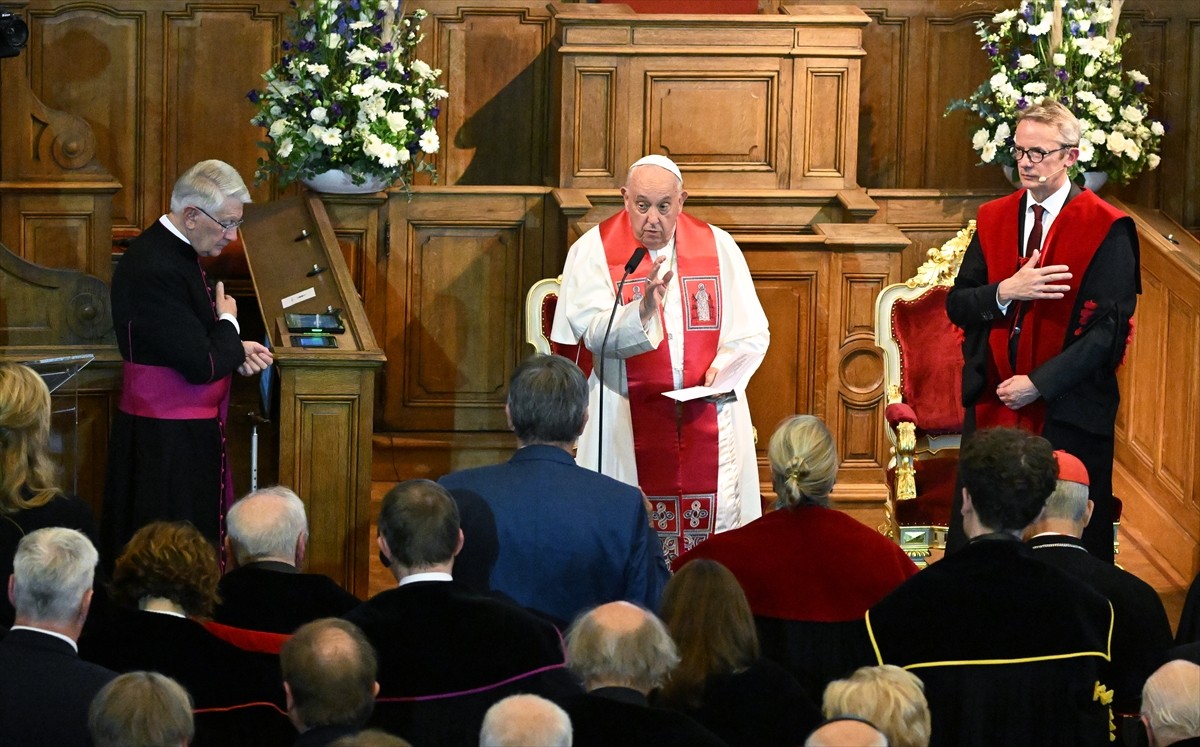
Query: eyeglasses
(231, 225)
(1035, 155)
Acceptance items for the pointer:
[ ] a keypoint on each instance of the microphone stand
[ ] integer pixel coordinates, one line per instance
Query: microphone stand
(630, 266)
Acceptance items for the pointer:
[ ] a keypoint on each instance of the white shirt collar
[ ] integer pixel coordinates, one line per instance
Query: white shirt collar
(166, 221)
(428, 576)
(43, 631)
(1054, 203)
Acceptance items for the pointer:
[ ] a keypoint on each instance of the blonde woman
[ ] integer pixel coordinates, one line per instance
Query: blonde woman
(891, 698)
(30, 498)
(809, 572)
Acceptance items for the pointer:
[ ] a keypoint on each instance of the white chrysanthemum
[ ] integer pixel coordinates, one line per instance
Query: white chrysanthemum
(362, 56)
(319, 70)
(429, 141)
(1086, 97)
(278, 127)
(1102, 111)
(387, 155)
(980, 137)
(1027, 62)
(1157, 128)
(1114, 92)
(1103, 14)
(1132, 114)
(285, 148)
(988, 153)
(357, 25)
(374, 108)
(436, 94)
(1004, 16)
(1086, 151)
(1043, 27)
(997, 81)
(1137, 77)
(396, 121)
(1036, 87)
(319, 114)
(1152, 161)
(418, 105)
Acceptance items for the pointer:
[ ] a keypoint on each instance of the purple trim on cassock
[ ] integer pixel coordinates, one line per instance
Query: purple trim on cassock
(162, 393)
(472, 691)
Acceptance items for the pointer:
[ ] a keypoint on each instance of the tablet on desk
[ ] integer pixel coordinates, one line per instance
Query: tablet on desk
(314, 323)
(313, 341)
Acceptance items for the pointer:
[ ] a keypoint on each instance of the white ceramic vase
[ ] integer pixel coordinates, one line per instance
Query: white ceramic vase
(338, 182)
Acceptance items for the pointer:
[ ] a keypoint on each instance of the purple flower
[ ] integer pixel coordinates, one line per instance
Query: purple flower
(1138, 87)
(1022, 103)
(335, 109)
(1022, 76)
(386, 48)
(1062, 74)
(307, 45)
(379, 14)
(991, 49)
(253, 96)
(355, 5)
(381, 66)
(286, 45)
(434, 111)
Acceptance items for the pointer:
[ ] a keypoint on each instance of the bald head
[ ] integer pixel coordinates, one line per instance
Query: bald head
(268, 524)
(620, 645)
(520, 720)
(1171, 703)
(846, 733)
(329, 675)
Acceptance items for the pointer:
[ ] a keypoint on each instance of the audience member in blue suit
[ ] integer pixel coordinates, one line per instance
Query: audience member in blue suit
(569, 538)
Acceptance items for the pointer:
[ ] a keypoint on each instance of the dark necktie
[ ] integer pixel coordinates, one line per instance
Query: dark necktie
(1035, 235)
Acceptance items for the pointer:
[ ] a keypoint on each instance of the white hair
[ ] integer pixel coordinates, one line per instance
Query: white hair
(52, 569)
(520, 720)
(266, 524)
(1171, 702)
(207, 185)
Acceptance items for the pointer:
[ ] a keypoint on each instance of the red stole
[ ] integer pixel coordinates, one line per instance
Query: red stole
(1073, 239)
(675, 444)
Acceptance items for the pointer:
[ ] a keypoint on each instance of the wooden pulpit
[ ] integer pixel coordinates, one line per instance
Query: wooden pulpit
(326, 395)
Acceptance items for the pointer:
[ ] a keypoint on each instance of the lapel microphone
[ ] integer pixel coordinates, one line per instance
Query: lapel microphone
(1046, 178)
(636, 259)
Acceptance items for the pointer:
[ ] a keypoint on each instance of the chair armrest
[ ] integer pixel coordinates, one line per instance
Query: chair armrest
(899, 412)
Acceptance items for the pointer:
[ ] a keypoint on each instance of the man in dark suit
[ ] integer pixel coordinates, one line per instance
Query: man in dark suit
(329, 673)
(1141, 633)
(621, 652)
(1010, 649)
(1044, 297)
(45, 688)
(446, 653)
(1171, 705)
(569, 538)
(267, 534)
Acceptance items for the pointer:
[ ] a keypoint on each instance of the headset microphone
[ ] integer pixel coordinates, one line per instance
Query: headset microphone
(1044, 179)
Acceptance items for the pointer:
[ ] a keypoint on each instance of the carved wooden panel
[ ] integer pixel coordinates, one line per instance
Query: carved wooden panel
(595, 151)
(456, 286)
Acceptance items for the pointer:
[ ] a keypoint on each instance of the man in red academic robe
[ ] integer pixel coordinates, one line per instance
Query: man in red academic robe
(1045, 297)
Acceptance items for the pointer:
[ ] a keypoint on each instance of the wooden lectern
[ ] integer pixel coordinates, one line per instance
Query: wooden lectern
(326, 395)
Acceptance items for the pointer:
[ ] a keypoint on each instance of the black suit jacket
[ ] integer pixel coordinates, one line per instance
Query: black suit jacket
(45, 691)
(446, 654)
(621, 716)
(275, 597)
(1141, 632)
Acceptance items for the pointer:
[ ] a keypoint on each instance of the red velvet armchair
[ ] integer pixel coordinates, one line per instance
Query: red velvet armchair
(922, 374)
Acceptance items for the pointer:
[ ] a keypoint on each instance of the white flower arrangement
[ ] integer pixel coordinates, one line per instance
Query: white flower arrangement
(1070, 51)
(348, 94)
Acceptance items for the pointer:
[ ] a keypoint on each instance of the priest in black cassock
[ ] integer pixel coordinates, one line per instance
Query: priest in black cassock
(180, 344)
(1011, 650)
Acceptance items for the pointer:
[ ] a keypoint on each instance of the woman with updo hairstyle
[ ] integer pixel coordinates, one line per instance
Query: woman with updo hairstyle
(809, 571)
(721, 680)
(164, 587)
(30, 498)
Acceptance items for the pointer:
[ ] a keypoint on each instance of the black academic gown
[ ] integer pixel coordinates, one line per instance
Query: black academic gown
(1010, 649)
(1079, 385)
(276, 598)
(620, 716)
(163, 315)
(446, 654)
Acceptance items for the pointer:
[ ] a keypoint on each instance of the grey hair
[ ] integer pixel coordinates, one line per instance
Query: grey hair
(52, 569)
(1068, 501)
(804, 462)
(207, 185)
(640, 658)
(256, 536)
(141, 709)
(520, 720)
(1171, 701)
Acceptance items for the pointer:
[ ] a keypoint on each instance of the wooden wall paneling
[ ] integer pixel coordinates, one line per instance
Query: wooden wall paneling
(456, 289)
(1158, 425)
(825, 143)
(494, 59)
(928, 217)
(60, 225)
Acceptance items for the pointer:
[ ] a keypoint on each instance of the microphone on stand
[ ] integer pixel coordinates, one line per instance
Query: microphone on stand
(638, 255)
